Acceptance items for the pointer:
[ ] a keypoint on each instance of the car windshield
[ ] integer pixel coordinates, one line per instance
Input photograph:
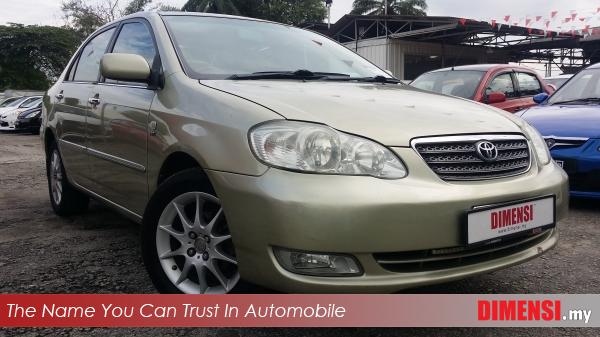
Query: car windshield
(31, 103)
(8, 102)
(218, 48)
(583, 87)
(461, 83)
(557, 81)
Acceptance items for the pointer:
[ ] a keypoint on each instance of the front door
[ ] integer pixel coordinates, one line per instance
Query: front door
(118, 126)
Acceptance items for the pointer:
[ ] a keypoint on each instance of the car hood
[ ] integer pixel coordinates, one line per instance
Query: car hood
(565, 120)
(391, 114)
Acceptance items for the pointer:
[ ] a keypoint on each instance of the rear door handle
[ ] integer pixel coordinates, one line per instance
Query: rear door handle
(94, 101)
(60, 95)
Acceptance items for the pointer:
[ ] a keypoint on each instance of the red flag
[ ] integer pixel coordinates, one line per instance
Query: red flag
(529, 29)
(527, 21)
(462, 21)
(586, 29)
(598, 10)
(573, 15)
(567, 19)
(538, 18)
(507, 17)
(547, 24)
(493, 23)
(553, 14)
(581, 19)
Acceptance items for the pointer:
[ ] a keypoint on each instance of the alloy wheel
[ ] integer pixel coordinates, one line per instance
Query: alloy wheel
(194, 245)
(56, 177)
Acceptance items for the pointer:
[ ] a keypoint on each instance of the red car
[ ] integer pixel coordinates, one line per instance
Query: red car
(504, 86)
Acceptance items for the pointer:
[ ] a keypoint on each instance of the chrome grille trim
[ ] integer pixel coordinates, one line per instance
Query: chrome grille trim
(454, 158)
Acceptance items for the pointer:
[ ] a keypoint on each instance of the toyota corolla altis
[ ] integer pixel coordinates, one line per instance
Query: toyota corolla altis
(258, 151)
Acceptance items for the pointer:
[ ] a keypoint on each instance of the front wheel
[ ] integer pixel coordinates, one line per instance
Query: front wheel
(186, 243)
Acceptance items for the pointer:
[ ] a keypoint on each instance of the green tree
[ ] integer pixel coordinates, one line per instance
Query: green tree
(211, 6)
(32, 57)
(136, 6)
(292, 12)
(394, 7)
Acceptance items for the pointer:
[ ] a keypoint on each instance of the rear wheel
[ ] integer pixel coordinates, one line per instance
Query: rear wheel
(65, 199)
(187, 246)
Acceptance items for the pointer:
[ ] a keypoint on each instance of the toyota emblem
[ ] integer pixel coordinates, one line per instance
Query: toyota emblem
(487, 151)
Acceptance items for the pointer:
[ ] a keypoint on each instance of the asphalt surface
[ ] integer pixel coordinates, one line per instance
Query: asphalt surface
(98, 252)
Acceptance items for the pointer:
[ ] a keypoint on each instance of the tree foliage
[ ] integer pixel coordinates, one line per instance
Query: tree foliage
(292, 12)
(395, 7)
(32, 57)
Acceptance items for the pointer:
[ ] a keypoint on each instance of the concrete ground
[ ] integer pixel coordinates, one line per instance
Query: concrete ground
(98, 252)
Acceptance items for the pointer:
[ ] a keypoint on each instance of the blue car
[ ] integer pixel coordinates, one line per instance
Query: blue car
(569, 120)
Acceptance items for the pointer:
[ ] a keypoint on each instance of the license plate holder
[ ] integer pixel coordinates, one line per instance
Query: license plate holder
(543, 216)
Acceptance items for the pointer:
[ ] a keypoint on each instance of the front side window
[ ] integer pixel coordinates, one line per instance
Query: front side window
(504, 84)
(217, 48)
(88, 66)
(461, 83)
(529, 84)
(135, 38)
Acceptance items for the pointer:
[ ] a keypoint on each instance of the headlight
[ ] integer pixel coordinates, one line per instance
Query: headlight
(541, 149)
(317, 148)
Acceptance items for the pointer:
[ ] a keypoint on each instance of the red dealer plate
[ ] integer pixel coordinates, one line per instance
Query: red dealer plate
(492, 223)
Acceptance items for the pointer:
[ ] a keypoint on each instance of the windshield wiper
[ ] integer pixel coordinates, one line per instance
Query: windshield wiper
(301, 74)
(376, 79)
(585, 100)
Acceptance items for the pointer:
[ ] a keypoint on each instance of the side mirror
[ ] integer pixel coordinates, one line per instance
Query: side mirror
(496, 97)
(540, 98)
(125, 67)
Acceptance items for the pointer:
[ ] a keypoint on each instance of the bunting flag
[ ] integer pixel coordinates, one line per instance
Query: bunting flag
(538, 18)
(462, 21)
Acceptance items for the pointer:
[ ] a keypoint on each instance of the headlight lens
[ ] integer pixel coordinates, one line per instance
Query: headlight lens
(317, 148)
(541, 149)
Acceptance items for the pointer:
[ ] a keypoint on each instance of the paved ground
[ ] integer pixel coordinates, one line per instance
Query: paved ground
(98, 252)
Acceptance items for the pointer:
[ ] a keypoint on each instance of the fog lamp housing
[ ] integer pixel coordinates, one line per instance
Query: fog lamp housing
(317, 264)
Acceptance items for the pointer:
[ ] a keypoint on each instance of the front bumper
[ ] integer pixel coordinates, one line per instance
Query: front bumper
(582, 164)
(363, 216)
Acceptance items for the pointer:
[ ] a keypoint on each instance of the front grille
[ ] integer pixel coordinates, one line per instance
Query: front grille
(456, 157)
(439, 259)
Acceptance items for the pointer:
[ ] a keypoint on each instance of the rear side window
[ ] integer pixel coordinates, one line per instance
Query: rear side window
(528, 84)
(135, 38)
(88, 65)
(504, 84)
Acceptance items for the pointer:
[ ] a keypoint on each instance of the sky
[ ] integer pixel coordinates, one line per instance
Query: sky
(47, 12)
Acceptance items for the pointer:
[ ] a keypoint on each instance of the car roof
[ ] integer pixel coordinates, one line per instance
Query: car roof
(594, 66)
(484, 67)
(558, 76)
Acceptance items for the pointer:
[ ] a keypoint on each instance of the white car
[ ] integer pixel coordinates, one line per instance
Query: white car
(9, 114)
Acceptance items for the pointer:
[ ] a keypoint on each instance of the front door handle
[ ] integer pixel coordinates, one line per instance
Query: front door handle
(94, 101)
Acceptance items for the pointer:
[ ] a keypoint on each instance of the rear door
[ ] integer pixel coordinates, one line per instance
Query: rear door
(72, 107)
(118, 138)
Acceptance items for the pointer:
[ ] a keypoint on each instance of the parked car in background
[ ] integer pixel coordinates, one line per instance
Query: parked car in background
(14, 104)
(5, 102)
(569, 120)
(503, 86)
(30, 119)
(300, 166)
(9, 116)
(557, 81)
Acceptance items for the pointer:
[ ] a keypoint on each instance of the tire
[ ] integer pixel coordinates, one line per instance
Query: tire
(186, 250)
(65, 199)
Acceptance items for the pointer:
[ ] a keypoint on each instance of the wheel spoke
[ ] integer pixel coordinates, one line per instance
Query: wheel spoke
(202, 283)
(182, 216)
(199, 207)
(177, 235)
(216, 254)
(171, 253)
(214, 269)
(209, 228)
(217, 240)
(184, 272)
(58, 186)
